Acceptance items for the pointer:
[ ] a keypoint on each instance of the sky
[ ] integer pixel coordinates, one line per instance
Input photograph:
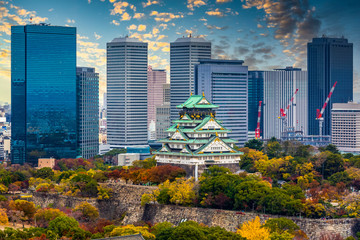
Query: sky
(266, 34)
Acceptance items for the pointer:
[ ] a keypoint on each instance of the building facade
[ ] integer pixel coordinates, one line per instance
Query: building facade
(43, 93)
(126, 93)
(156, 80)
(279, 87)
(162, 120)
(329, 60)
(225, 83)
(255, 94)
(88, 104)
(345, 130)
(184, 55)
(197, 140)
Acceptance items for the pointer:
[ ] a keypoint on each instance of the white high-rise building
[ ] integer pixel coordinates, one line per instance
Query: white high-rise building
(279, 86)
(126, 93)
(185, 53)
(345, 126)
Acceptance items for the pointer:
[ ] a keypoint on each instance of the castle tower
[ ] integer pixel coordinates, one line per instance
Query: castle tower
(197, 140)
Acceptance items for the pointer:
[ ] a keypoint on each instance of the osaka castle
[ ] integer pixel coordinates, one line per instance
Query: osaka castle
(197, 140)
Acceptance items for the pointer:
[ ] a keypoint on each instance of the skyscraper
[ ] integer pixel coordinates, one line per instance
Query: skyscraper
(126, 92)
(279, 87)
(224, 83)
(43, 93)
(255, 94)
(329, 60)
(156, 80)
(184, 55)
(88, 104)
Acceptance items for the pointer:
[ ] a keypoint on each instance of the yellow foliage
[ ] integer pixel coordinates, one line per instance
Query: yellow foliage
(352, 205)
(4, 220)
(3, 188)
(181, 191)
(272, 167)
(130, 230)
(252, 230)
(353, 172)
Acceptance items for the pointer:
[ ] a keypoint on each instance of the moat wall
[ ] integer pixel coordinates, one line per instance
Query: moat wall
(126, 204)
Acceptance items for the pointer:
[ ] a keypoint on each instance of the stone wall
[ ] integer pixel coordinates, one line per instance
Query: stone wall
(126, 204)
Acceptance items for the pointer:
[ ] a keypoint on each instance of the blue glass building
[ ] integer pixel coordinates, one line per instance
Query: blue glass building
(43, 93)
(224, 83)
(88, 104)
(329, 60)
(255, 94)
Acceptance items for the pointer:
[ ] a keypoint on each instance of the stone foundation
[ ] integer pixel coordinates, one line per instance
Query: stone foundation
(125, 205)
(190, 169)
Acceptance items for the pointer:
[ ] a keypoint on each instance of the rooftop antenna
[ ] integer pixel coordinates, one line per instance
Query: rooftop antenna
(190, 35)
(30, 20)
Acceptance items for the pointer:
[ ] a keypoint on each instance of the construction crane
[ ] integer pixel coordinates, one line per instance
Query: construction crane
(257, 130)
(283, 113)
(319, 114)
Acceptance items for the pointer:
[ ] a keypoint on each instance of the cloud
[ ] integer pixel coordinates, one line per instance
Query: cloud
(209, 26)
(141, 28)
(132, 27)
(13, 15)
(125, 17)
(116, 23)
(70, 21)
(223, 1)
(294, 22)
(163, 25)
(4, 53)
(149, 3)
(81, 37)
(265, 50)
(195, 3)
(51, 9)
(119, 8)
(165, 17)
(161, 37)
(217, 13)
(97, 36)
(241, 50)
(155, 31)
(138, 15)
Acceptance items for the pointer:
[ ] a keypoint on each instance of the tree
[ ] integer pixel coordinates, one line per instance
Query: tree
(146, 163)
(130, 230)
(3, 188)
(104, 193)
(4, 220)
(62, 225)
(331, 148)
(28, 208)
(44, 215)
(248, 160)
(340, 177)
(334, 163)
(253, 230)
(281, 225)
(254, 144)
(44, 173)
(159, 227)
(273, 148)
(88, 212)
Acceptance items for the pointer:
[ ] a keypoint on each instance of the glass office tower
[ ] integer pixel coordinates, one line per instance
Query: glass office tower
(127, 92)
(329, 60)
(43, 93)
(225, 83)
(255, 94)
(185, 53)
(88, 94)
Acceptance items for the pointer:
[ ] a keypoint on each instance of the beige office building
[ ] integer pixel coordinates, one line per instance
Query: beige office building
(345, 126)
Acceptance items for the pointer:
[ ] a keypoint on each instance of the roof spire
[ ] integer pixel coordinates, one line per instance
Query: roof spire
(203, 94)
(191, 94)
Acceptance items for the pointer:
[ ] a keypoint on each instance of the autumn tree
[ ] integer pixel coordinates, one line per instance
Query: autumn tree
(28, 208)
(254, 230)
(44, 215)
(130, 230)
(4, 220)
(87, 211)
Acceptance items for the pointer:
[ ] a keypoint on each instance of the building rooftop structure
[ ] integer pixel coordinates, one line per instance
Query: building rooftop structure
(198, 140)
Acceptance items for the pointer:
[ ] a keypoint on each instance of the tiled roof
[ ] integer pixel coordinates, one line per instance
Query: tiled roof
(193, 102)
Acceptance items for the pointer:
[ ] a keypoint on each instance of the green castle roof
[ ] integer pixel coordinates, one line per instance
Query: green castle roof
(194, 101)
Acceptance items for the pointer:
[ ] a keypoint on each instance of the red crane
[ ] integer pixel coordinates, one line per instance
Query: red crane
(257, 130)
(319, 114)
(283, 112)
